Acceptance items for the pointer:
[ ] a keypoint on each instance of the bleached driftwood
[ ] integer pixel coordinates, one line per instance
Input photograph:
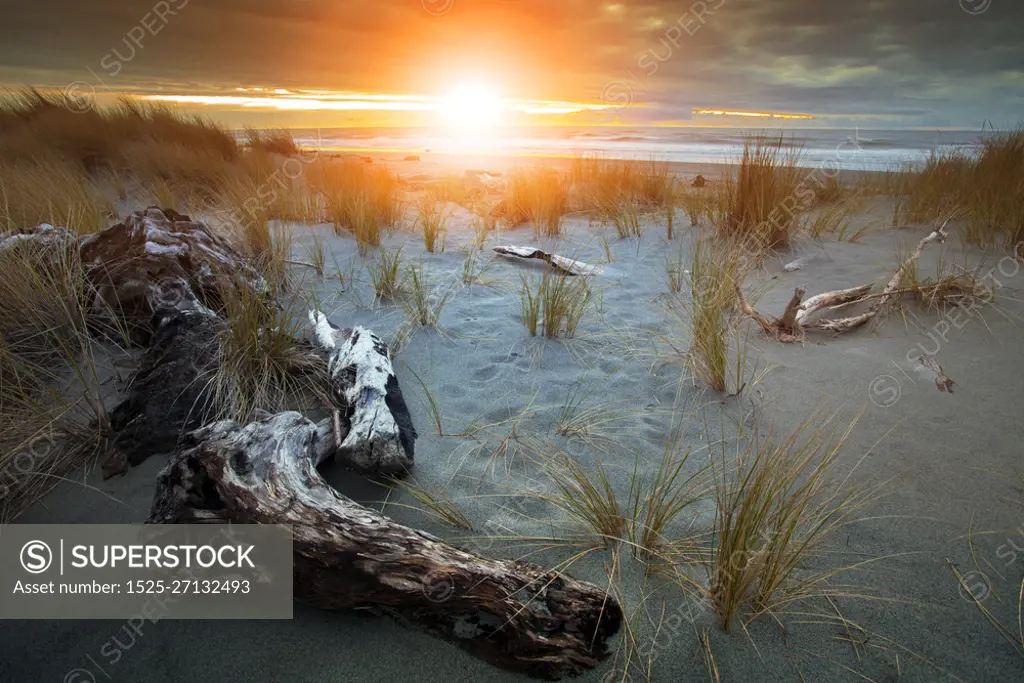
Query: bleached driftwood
(379, 433)
(561, 263)
(512, 614)
(165, 275)
(794, 321)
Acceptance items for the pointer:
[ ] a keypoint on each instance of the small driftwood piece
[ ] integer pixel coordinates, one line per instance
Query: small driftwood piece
(512, 614)
(561, 263)
(942, 383)
(379, 434)
(794, 321)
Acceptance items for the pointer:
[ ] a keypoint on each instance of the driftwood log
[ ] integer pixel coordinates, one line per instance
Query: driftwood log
(157, 261)
(791, 326)
(164, 276)
(561, 263)
(512, 614)
(379, 435)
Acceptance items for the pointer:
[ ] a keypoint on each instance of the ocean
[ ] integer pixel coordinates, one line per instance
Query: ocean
(844, 149)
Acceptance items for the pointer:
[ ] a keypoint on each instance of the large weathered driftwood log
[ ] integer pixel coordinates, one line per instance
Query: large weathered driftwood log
(560, 263)
(166, 275)
(169, 394)
(157, 260)
(511, 614)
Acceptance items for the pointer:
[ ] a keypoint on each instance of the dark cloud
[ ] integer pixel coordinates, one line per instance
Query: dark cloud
(870, 62)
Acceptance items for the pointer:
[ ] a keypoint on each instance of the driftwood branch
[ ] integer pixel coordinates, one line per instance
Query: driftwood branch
(512, 614)
(790, 327)
(560, 263)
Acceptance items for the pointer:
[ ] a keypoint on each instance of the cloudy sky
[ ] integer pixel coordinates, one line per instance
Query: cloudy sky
(868, 63)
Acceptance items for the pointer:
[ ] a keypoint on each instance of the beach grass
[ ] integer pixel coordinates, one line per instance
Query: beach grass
(676, 272)
(34, 124)
(715, 269)
(386, 274)
(585, 493)
(694, 202)
(358, 198)
(432, 220)
(660, 499)
(274, 141)
(539, 196)
(435, 502)
(555, 304)
(759, 199)
(52, 409)
(423, 303)
(52, 190)
(262, 365)
(985, 188)
(776, 502)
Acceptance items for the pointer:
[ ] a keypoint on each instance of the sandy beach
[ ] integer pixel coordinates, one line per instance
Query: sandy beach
(947, 462)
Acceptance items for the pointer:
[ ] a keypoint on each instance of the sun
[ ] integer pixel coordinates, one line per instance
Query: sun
(472, 105)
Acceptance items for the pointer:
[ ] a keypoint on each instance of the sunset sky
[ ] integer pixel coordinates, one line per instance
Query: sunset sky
(868, 63)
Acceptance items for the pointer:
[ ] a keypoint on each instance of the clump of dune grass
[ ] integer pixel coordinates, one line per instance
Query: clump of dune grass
(626, 217)
(694, 202)
(484, 224)
(262, 365)
(833, 217)
(994, 200)
(363, 221)
(776, 501)
(676, 272)
(598, 183)
(49, 190)
(316, 253)
(925, 192)
(593, 423)
(275, 141)
(829, 191)
(760, 198)
(539, 196)
(554, 305)
(246, 219)
(423, 303)
(356, 197)
(984, 187)
(451, 187)
(660, 499)
(52, 410)
(432, 219)
(583, 492)
(32, 122)
(954, 285)
(473, 273)
(436, 503)
(715, 270)
(386, 274)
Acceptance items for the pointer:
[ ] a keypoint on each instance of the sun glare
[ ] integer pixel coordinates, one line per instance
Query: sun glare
(473, 105)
